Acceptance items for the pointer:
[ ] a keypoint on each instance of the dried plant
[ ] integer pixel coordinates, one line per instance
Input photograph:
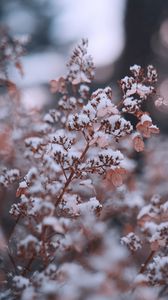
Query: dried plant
(86, 223)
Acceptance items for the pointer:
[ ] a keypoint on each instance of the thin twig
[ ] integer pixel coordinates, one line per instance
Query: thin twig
(27, 267)
(63, 171)
(144, 266)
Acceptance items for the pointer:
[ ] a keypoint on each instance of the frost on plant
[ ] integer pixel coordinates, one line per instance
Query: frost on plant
(84, 226)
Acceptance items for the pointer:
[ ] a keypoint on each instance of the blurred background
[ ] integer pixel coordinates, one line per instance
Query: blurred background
(120, 32)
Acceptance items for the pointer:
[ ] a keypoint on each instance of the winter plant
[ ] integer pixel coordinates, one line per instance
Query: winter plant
(87, 224)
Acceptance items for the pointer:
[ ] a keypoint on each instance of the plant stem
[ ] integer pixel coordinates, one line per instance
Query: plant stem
(71, 176)
(26, 268)
(144, 266)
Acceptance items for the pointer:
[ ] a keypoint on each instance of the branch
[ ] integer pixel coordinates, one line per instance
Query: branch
(71, 176)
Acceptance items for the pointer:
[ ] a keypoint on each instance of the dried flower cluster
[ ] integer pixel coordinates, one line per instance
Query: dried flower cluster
(86, 224)
(11, 49)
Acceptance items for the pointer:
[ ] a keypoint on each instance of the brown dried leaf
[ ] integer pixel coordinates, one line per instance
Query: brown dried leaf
(58, 85)
(19, 67)
(21, 191)
(154, 129)
(13, 90)
(154, 246)
(101, 141)
(138, 144)
(115, 176)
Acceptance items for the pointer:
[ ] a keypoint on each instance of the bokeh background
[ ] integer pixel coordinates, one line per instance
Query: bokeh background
(120, 32)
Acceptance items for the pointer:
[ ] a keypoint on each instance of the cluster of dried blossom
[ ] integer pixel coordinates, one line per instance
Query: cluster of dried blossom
(88, 226)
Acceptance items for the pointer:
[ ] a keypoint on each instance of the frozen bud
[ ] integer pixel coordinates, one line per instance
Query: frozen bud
(58, 85)
(53, 223)
(138, 143)
(151, 74)
(80, 65)
(159, 102)
(32, 174)
(158, 270)
(108, 92)
(145, 126)
(136, 70)
(132, 241)
(160, 236)
(28, 246)
(20, 282)
(84, 91)
(34, 143)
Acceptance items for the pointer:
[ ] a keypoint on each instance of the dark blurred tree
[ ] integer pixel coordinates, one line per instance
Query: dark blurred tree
(143, 19)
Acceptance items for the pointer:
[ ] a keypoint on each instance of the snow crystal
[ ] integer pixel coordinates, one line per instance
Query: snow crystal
(48, 118)
(36, 188)
(151, 227)
(54, 223)
(56, 148)
(135, 69)
(161, 232)
(83, 90)
(133, 199)
(89, 206)
(28, 293)
(23, 185)
(50, 163)
(143, 90)
(116, 155)
(33, 172)
(28, 240)
(90, 111)
(140, 278)
(70, 202)
(144, 211)
(132, 241)
(75, 272)
(158, 269)
(34, 142)
(20, 282)
(39, 204)
(164, 207)
(146, 118)
(83, 119)
(13, 173)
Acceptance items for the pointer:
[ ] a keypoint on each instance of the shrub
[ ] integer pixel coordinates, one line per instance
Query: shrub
(86, 223)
